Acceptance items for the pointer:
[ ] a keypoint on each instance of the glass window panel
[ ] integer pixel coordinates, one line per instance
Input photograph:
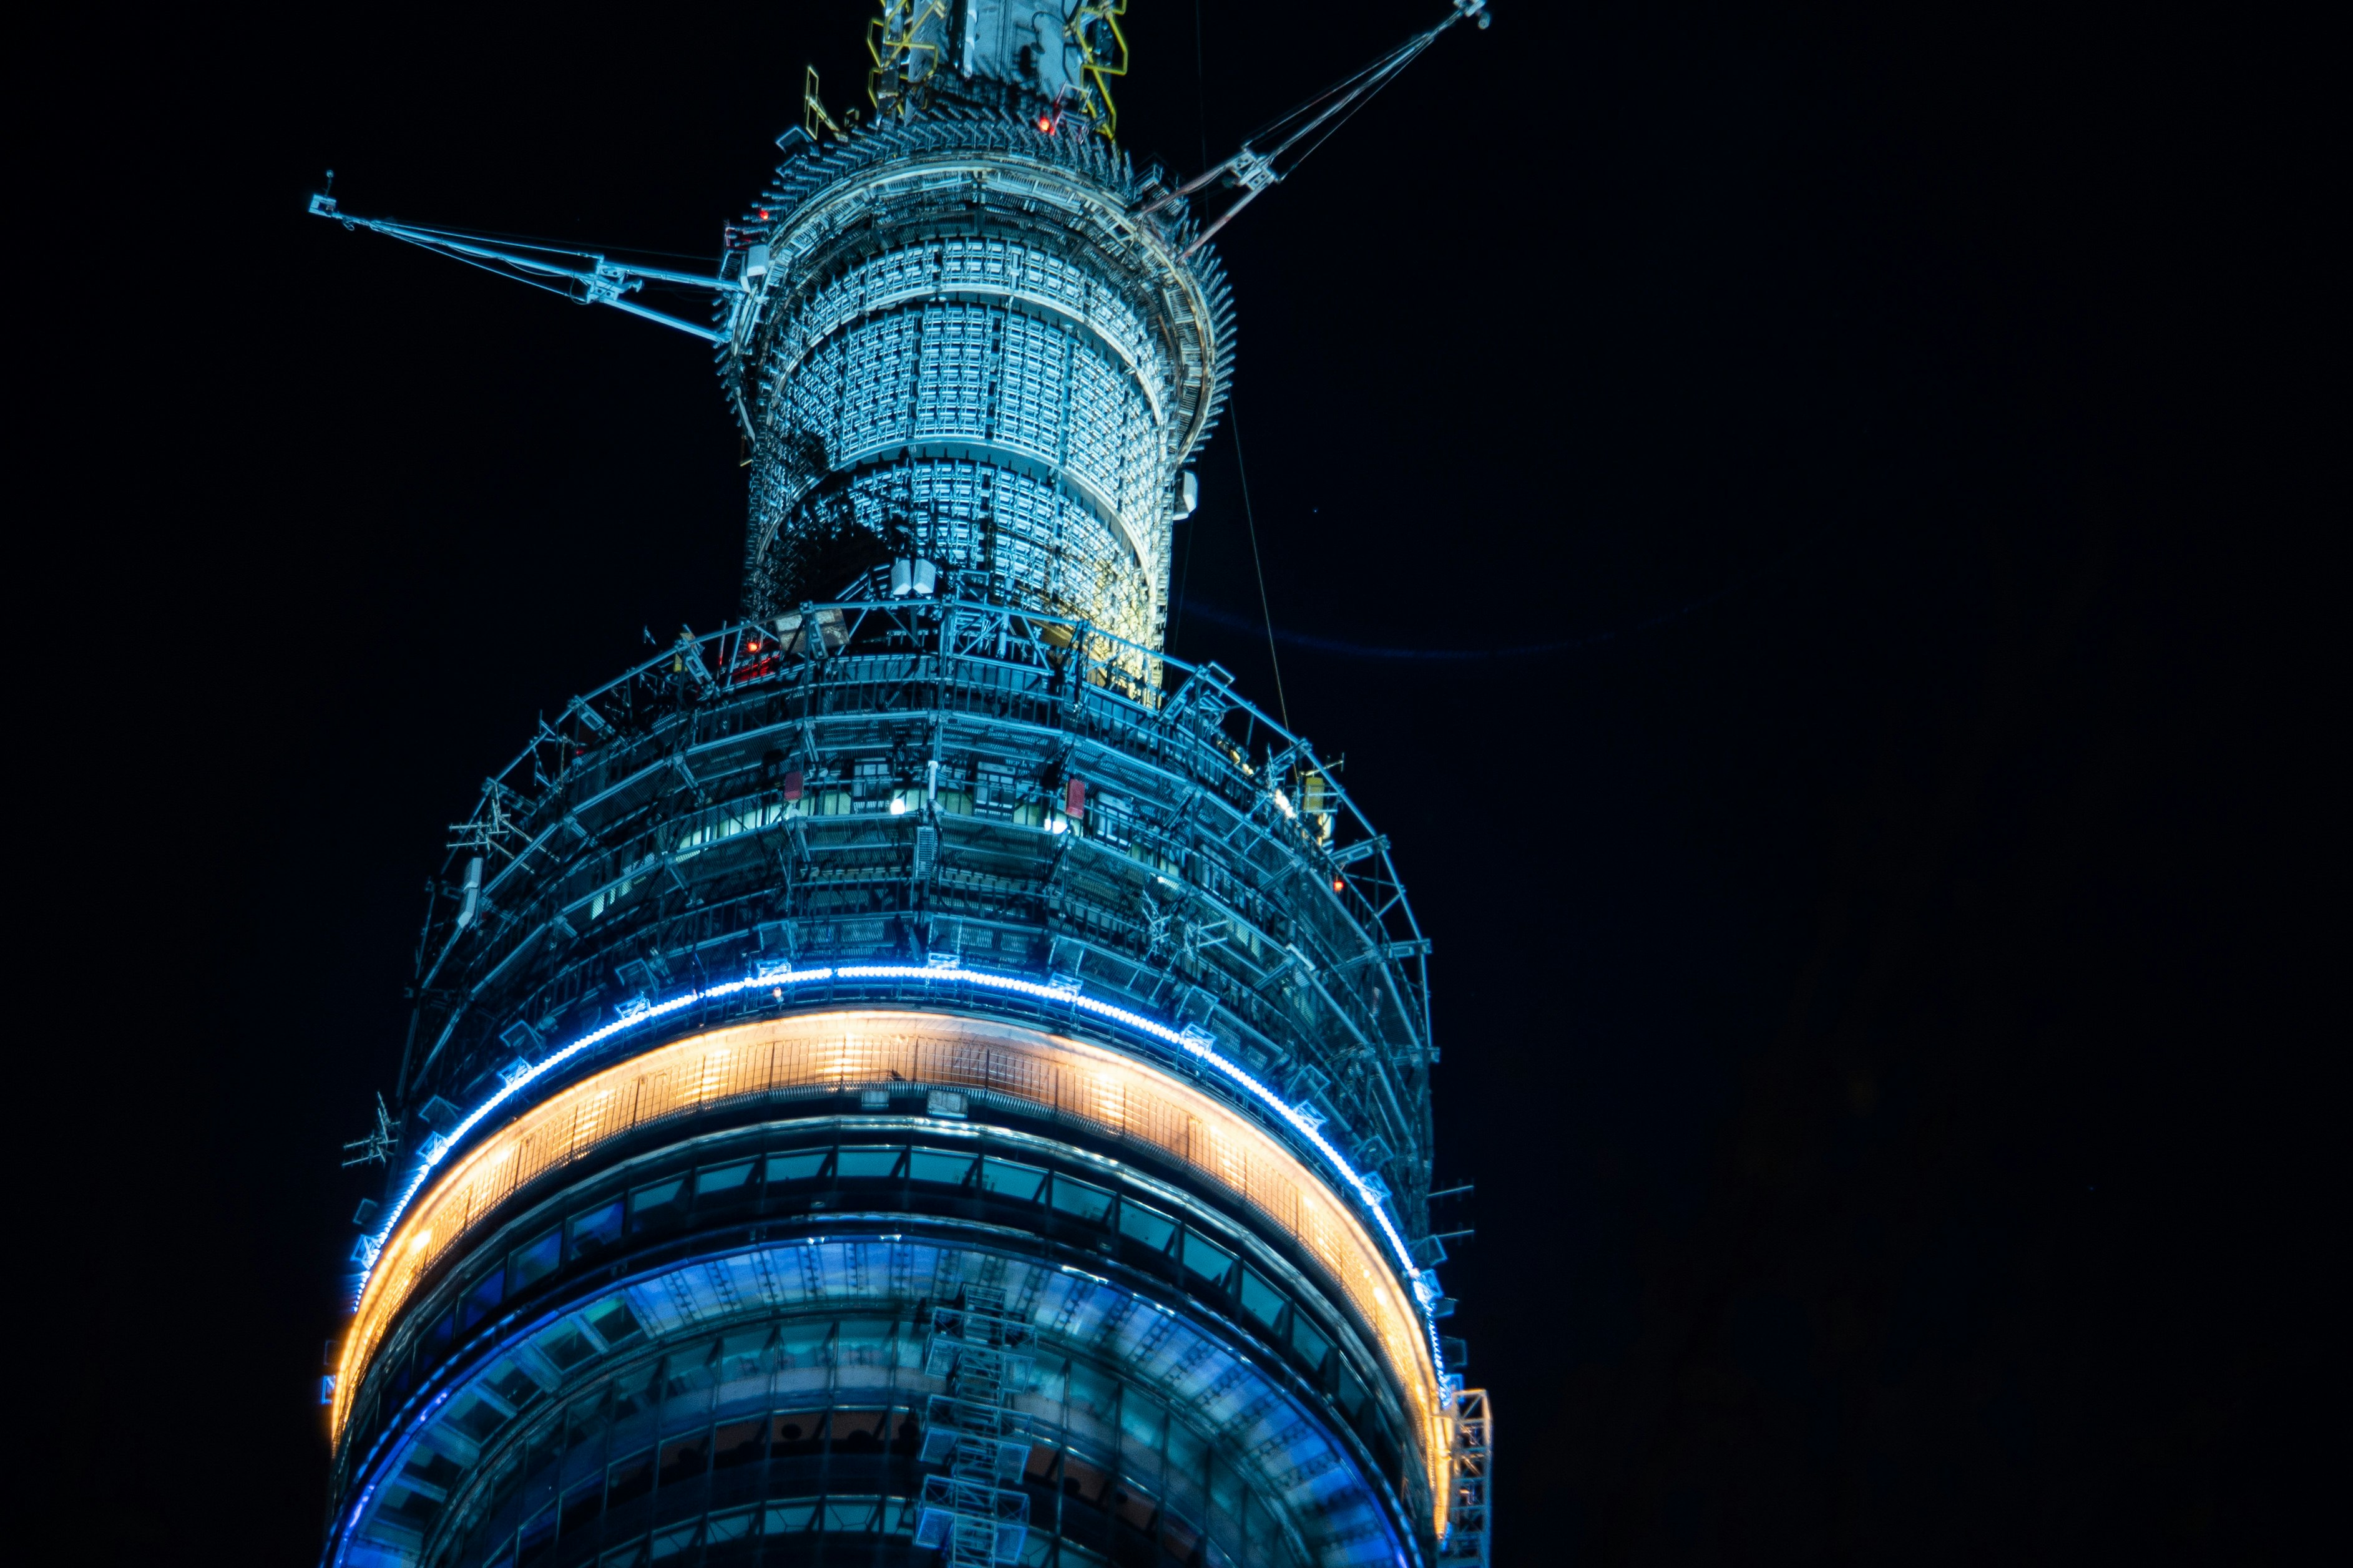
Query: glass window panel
(653, 1204)
(594, 1229)
(732, 1526)
(1132, 1506)
(511, 1384)
(565, 1345)
(938, 1165)
(582, 1504)
(670, 1543)
(1260, 1300)
(629, 1478)
(849, 1514)
(867, 1162)
(1312, 1346)
(1093, 1389)
(1141, 1419)
(784, 1516)
(478, 1419)
(613, 1321)
(1351, 1392)
(799, 1166)
(1185, 1450)
(1150, 1227)
(534, 1259)
(1206, 1257)
(483, 1298)
(684, 1459)
(737, 1443)
(538, 1535)
(796, 1431)
(1076, 1197)
(860, 1431)
(629, 1556)
(1021, 1183)
(724, 1180)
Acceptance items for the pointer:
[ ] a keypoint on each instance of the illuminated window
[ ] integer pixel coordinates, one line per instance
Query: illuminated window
(1007, 1180)
(797, 1167)
(1312, 1346)
(1206, 1257)
(1150, 1227)
(720, 1184)
(1076, 1197)
(854, 1163)
(1260, 1300)
(937, 1165)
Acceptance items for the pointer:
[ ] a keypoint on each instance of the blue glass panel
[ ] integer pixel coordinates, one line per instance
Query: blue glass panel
(1007, 1180)
(1076, 1197)
(797, 1167)
(867, 1162)
(938, 1165)
(1150, 1227)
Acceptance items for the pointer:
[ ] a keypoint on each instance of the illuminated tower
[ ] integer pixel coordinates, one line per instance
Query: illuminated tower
(920, 1071)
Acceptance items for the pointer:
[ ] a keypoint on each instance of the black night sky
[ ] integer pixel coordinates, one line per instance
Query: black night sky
(1858, 940)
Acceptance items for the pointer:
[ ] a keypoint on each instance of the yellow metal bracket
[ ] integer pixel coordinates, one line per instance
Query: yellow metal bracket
(892, 41)
(1100, 67)
(813, 112)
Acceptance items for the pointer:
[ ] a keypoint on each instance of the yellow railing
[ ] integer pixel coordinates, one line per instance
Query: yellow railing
(1099, 68)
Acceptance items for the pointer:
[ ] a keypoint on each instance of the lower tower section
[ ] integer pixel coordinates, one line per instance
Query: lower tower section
(910, 1081)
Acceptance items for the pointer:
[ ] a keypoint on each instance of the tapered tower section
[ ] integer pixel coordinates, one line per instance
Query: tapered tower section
(920, 1074)
(957, 340)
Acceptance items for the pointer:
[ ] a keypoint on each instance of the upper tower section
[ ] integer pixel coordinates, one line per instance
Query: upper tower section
(969, 333)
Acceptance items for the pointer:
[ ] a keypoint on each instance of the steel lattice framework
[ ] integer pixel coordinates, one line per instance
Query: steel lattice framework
(957, 340)
(920, 1073)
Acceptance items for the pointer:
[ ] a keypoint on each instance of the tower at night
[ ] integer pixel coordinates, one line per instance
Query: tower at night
(920, 1072)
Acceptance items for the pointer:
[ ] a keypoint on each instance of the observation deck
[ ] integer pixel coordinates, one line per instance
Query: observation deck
(821, 970)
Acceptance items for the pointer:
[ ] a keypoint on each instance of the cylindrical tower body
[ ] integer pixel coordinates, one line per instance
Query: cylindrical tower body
(962, 344)
(919, 1075)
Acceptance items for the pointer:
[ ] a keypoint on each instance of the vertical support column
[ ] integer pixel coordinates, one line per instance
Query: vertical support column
(1470, 1466)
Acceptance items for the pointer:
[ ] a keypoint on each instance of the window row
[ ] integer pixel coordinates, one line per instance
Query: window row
(719, 1191)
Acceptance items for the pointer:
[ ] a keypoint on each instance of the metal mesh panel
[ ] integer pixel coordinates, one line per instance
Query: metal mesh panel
(1040, 381)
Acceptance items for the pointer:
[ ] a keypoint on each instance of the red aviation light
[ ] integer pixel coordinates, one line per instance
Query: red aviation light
(1046, 123)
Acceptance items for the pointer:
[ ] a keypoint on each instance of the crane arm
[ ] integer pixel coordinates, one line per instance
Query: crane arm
(581, 276)
(1274, 151)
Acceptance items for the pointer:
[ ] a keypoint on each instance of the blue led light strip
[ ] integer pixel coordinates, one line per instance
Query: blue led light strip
(1194, 1043)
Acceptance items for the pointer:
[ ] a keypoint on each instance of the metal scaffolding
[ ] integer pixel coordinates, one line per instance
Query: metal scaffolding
(1472, 1462)
(974, 1510)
